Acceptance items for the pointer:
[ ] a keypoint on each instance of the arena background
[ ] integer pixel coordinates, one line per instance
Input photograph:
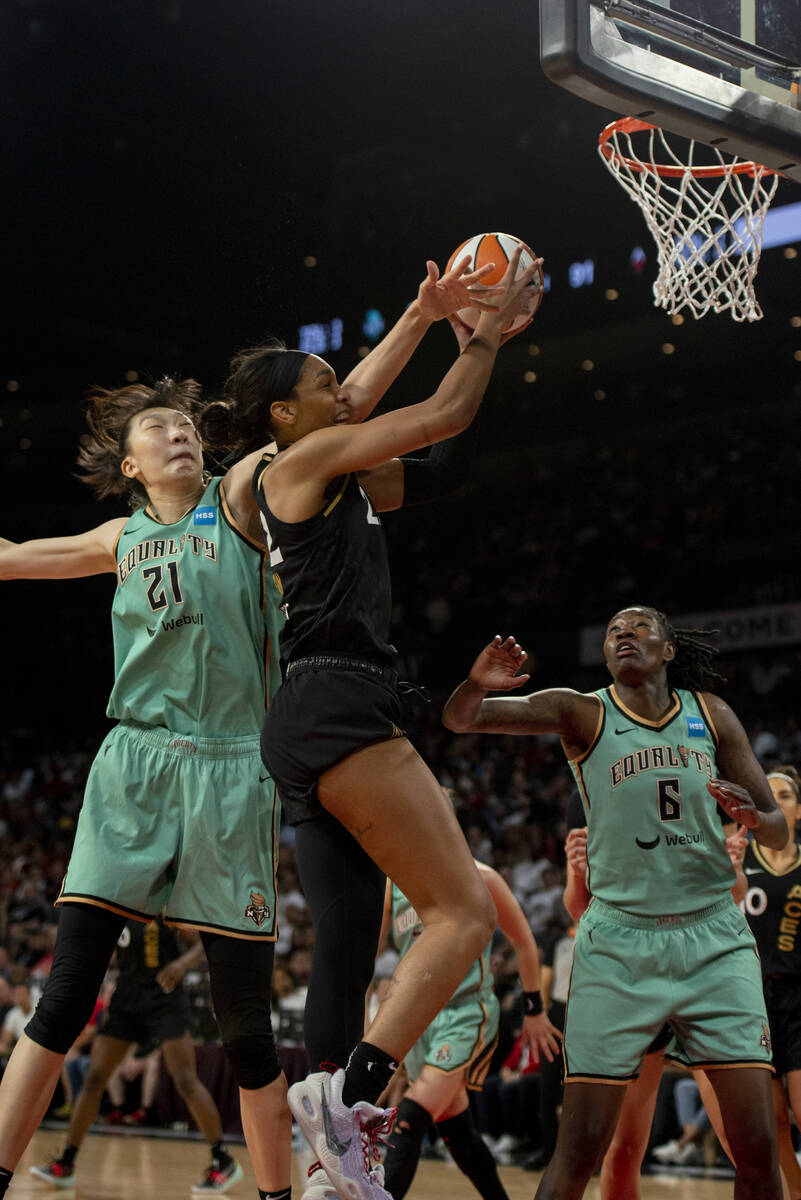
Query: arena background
(184, 176)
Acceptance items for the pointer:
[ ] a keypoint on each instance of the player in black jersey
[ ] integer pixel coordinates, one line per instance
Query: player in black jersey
(773, 908)
(333, 740)
(148, 1007)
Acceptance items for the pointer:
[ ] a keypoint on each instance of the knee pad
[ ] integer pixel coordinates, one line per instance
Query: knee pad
(84, 944)
(59, 1019)
(254, 1060)
(459, 1133)
(403, 1147)
(240, 972)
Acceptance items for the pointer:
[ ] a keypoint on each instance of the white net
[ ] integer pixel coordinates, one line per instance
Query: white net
(706, 219)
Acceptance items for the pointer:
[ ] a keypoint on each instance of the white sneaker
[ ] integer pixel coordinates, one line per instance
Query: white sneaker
(669, 1153)
(318, 1186)
(342, 1138)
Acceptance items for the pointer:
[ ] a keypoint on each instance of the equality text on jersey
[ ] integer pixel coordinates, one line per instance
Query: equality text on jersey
(154, 548)
(656, 758)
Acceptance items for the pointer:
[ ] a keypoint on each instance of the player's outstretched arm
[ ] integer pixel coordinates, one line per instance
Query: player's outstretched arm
(437, 297)
(538, 1031)
(571, 714)
(327, 453)
(743, 792)
(90, 553)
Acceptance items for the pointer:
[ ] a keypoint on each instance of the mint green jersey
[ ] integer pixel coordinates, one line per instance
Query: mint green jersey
(655, 842)
(406, 926)
(196, 617)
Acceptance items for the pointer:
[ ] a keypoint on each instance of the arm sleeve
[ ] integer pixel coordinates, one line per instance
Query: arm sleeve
(445, 472)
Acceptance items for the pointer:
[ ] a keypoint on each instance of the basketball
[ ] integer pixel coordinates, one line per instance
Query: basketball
(494, 248)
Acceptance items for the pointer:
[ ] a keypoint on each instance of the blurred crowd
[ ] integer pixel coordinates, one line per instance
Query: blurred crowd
(511, 797)
(583, 537)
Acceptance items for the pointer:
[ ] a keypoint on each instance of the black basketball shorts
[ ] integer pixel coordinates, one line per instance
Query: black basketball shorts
(146, 1015)
(783, 1004)
(317, 718)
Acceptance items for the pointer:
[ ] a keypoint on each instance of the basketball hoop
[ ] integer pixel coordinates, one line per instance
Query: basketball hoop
(706, 220)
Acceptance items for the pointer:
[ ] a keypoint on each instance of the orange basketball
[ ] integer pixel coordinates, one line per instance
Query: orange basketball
(494, 248)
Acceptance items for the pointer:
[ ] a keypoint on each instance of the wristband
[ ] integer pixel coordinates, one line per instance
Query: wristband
(532, 1004)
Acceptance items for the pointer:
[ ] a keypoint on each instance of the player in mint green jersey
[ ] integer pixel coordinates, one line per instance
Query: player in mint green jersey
(179, 814)
(662, 940)
(454, 1053)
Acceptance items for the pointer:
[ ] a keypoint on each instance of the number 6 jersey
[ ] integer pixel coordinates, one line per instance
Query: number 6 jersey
(196, 609)
(655, 844)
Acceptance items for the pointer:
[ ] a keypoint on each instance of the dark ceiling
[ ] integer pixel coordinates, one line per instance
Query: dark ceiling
(172, 164)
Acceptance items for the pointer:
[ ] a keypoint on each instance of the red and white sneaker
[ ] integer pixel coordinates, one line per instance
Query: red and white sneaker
(343, 1139)
(56, 1173)
(318, 1185)
(218, 1179)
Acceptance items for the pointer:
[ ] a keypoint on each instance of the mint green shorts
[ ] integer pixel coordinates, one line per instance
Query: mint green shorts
(698, 972)
(184, 825)
(462, 1037)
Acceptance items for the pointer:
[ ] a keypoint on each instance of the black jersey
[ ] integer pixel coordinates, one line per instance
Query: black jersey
(773, 908)
(334, 575)
(143, 950)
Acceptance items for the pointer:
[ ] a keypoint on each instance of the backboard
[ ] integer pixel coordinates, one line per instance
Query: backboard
(725, 72)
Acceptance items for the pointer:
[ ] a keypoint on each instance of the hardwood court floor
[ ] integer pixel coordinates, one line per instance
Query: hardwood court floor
(135, 1168)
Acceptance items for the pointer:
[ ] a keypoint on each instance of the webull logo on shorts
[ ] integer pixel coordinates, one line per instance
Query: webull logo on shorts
(257, 911)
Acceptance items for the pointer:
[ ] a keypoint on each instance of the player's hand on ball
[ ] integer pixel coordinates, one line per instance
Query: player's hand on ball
(576, 851)
(735, 801)
(438, 297)
(530, 300)
(495, 669)
(520, 293)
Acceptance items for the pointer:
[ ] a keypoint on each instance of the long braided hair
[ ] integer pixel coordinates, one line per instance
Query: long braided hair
(692, 668)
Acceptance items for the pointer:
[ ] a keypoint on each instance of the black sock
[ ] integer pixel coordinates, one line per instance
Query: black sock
(67, 1158)
(403, 1147)
(472, 1155)
(5, 1180)
(368, 1072)
(284, 1194)
(220, 1154)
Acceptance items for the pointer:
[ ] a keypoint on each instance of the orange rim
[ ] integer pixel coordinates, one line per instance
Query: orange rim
(635, 125)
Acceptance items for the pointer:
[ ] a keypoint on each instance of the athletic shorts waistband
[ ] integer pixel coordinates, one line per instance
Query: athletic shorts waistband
(619, 916)
(342, 662)
(187, 745)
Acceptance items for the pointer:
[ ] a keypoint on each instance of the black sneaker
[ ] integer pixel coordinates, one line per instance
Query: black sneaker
(217, 1178)
(56, 1173)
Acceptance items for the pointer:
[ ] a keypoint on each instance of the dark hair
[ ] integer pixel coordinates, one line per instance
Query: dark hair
(257, 378)
(692, 667)
(109, 417)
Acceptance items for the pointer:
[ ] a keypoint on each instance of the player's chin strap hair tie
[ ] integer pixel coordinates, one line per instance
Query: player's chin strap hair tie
(532, 1004)
(787, 779)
